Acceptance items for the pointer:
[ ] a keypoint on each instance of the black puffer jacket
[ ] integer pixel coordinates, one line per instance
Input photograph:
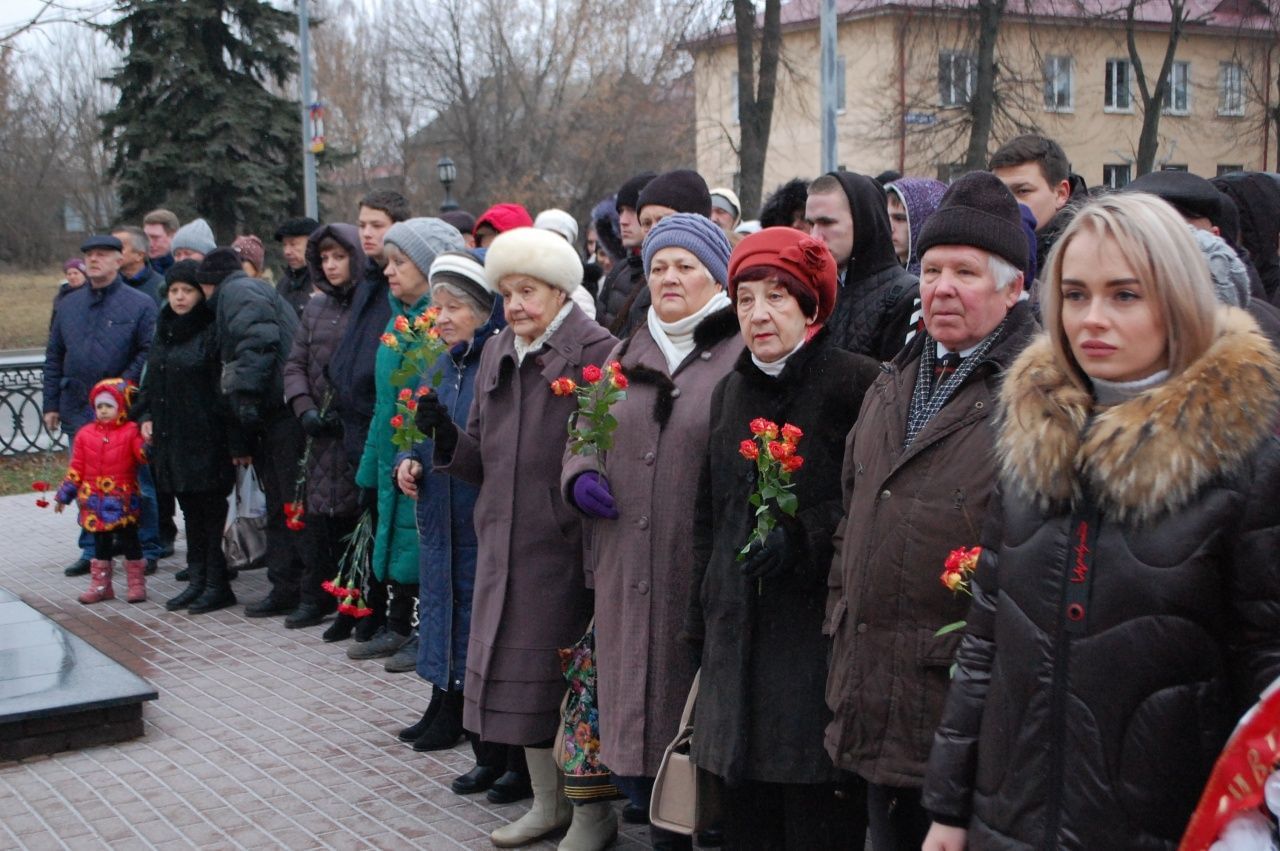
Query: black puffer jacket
(618, 291)
(760, 712)
(254, 330)
(331, 477)
(1106, 661)
(193, 437)
(873, 304)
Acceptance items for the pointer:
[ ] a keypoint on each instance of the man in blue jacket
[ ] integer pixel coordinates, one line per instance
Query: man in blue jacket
(100, 331)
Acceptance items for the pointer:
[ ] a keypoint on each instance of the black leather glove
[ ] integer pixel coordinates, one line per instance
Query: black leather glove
(366, 498)
(432, 419)
(333, 424)
(312, 423)
(775, 557)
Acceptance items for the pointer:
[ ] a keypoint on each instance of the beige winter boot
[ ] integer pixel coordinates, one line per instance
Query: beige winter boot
(594, 828)
(99, 583)
(550, 811)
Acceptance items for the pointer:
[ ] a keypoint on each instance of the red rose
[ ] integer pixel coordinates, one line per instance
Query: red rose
(411, 404)
(397, 421)
(760, 425)
(792, 463)
(563, 386)
(748, 449)
(402, 324)
(780, 451)
(591, 373)
(791, 434)
(615, 367)
(406, 393)
(619, 381)
(423, 391)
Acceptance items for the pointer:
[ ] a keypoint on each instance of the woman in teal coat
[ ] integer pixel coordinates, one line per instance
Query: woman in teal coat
(409, 248)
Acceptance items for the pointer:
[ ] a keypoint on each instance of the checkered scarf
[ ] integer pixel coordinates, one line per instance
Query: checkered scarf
(926, 399)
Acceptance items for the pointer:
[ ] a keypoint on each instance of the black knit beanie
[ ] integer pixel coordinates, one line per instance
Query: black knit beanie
(301, 226)
(629, 194)
(217, 265)
(977, 210)
(682, 190)
(183, 271)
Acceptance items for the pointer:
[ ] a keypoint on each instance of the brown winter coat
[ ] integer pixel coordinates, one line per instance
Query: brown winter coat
(530, 599)
(904, 512)
(642, 562)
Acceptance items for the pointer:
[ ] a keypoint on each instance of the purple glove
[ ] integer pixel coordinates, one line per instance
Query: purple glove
(591, 495)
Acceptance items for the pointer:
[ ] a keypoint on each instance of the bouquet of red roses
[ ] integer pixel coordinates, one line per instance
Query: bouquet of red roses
(775, 459)
(591, 426)
(422, 347)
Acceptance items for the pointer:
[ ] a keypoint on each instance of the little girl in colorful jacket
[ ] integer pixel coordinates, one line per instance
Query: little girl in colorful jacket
(103, 479)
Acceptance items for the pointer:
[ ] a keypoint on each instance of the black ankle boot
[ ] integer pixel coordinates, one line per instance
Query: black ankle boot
(409, 734)
(445, 730)
(197, 580)
(340, 630)
(217, 592)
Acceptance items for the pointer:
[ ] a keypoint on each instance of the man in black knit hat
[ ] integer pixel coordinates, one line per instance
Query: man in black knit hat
(295, 284)
(919, 469)
(625, 277)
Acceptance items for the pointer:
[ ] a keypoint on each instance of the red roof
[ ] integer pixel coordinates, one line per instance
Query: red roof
(1232, 14)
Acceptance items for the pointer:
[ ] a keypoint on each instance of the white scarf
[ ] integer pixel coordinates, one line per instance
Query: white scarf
(675, 339)
(774, 369)
(523, 349)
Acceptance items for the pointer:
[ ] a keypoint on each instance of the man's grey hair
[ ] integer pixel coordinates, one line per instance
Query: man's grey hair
(135, 235)
(1002, 270)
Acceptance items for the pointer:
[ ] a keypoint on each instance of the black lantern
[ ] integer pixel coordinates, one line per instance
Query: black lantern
(448, 173)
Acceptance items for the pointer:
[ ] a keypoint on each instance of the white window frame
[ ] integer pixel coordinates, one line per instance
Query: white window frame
(1109, 179)
(947, 99)
(1180, 72)
(1230, 84)
(1054, 68)
(1109, 92)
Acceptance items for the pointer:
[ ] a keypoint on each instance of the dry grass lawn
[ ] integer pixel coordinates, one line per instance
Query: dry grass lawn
(27, 298)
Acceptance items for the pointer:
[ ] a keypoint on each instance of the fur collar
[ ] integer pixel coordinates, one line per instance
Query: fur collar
(1152, 454)
(715, 329)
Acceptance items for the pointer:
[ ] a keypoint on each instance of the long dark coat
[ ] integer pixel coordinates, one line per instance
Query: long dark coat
(192, 430)
(642, 563)
(447, 532)
(331, 486)
(760, 708)
(1100, 731)
(905, 510)
(530, 597)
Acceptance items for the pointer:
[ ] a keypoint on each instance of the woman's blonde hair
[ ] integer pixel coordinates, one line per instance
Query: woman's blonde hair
(1158, 245)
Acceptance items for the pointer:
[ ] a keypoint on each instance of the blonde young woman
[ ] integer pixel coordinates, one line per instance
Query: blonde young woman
(1125, 607)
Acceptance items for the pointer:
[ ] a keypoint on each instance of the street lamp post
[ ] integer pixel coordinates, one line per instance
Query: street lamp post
(448, 173)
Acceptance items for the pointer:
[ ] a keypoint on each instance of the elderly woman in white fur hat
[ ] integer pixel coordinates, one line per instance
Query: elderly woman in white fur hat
(530, 595)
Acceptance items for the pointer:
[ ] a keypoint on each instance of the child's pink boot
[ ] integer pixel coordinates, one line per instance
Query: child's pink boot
(99, 583)
(136, 574)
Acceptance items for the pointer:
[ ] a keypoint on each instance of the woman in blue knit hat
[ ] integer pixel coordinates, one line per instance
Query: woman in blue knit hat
(641, 503)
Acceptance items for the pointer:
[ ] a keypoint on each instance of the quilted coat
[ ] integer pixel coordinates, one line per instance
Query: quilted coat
(642, 562)
(193, 434)
(331, 487)
(255, 331)
(760, 709)
(103, 474)
(96, 334)
(1110, 651)
(530, 597)
(447, 532)
(395, 540)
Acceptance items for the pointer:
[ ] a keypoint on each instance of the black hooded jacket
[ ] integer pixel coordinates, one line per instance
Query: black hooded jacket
(872, 315)
(351, 368)
(1047, 236)
(1257, 199)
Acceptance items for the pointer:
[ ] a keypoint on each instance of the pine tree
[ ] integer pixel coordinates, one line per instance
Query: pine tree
(196, 127)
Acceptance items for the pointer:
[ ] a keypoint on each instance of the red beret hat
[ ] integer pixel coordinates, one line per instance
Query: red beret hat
(796, 253)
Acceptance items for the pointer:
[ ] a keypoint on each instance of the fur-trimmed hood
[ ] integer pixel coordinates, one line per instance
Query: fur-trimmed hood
(1148, 455)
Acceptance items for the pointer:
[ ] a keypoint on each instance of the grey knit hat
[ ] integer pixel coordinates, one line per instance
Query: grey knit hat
(461, 271)
(422, 239)
(195, 235)
(1230, 278)
(696, 234)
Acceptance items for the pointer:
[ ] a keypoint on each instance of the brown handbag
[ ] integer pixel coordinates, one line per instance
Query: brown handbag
(685, 799)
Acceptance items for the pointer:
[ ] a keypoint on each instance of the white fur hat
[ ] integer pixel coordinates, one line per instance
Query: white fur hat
(537, 253)
(558, 221)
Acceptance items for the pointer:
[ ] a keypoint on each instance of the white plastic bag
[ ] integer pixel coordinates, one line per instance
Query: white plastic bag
(244, 540)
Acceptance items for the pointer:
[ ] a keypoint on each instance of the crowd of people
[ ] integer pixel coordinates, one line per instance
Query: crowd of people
(1017, 581)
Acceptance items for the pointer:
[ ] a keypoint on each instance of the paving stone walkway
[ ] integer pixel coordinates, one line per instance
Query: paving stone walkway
(262, 737)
